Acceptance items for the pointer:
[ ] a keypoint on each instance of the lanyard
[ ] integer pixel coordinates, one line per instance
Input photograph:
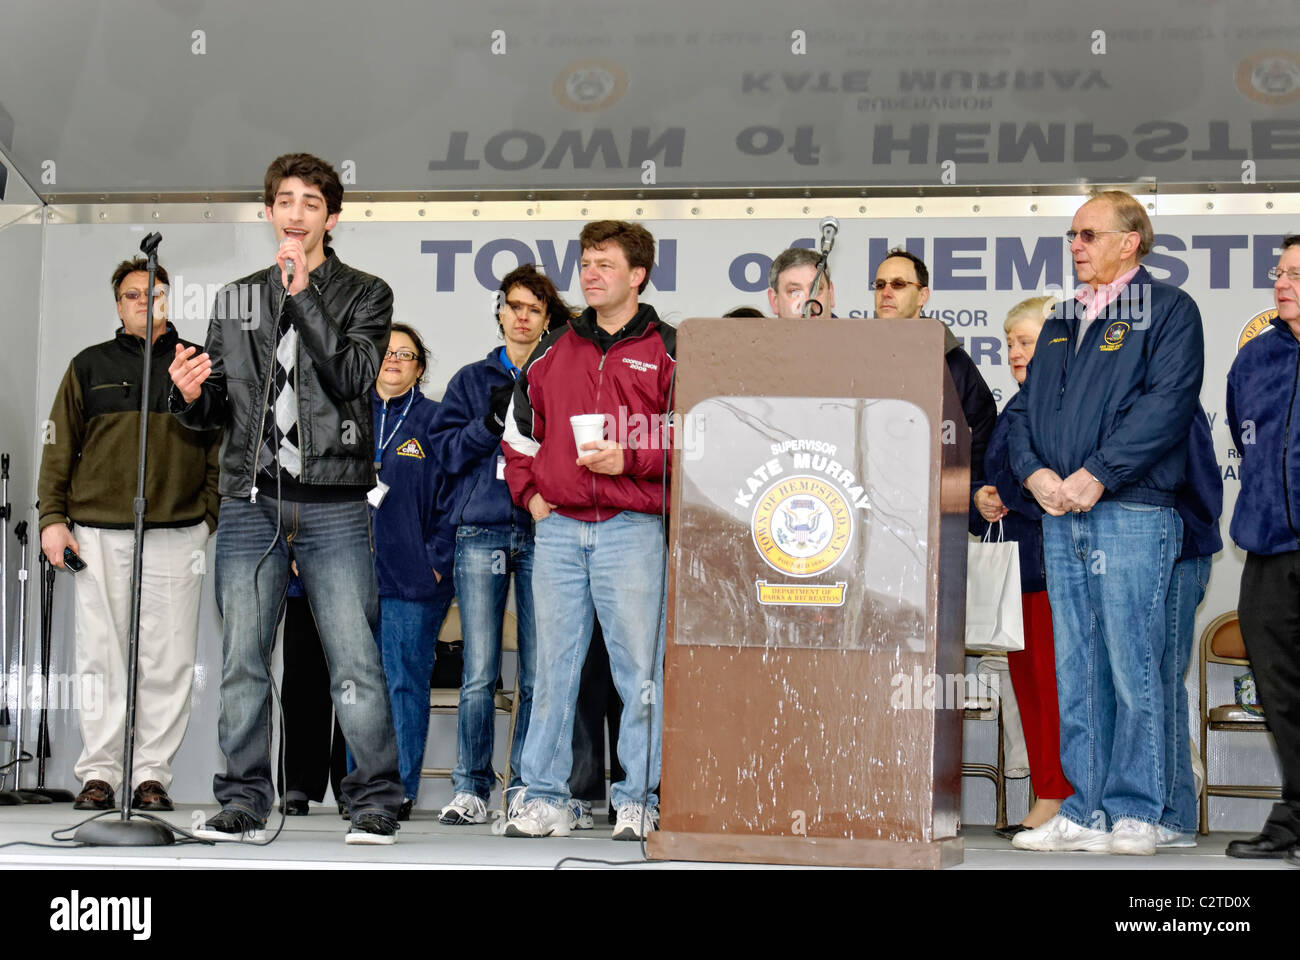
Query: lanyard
(380, 443)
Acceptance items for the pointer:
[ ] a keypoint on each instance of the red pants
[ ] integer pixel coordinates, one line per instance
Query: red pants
(1033, 677)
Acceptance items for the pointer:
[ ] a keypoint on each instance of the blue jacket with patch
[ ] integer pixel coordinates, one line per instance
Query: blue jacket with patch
(1264, 417)
(469, 452)
(1122, 407)
(411, 536)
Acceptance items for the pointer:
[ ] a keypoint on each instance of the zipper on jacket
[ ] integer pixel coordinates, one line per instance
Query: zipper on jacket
(1286, 442)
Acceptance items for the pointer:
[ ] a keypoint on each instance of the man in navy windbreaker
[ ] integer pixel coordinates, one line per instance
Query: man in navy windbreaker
(1099, 436)
(1264, 417)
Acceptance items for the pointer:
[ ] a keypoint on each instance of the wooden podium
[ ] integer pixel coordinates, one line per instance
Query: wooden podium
(813, 683)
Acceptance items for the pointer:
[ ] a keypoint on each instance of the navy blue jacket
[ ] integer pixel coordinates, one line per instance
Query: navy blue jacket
(1264, 417)
(411, 538)
(1122, 407)
(1024, 524)
(468, 450)
(1200, 501)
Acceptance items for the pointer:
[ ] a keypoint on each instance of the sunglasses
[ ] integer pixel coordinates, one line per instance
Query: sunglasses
(894, 284)
(134, 295)
(1088, 235)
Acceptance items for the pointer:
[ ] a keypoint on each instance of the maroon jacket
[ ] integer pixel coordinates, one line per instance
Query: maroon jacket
(568, 375)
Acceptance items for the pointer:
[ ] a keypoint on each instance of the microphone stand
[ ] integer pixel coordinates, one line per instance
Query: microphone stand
(20, 755)
(830, 228)
(4, 591)
(126, 832)
(8, 798)
(55, 794)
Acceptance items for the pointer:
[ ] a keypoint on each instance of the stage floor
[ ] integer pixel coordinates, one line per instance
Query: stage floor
(316, 842)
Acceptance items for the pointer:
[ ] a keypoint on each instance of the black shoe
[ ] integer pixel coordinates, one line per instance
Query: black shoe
(404, 811)
(1262, 846)
(1009, 831)
(295, 807)
(232, 825)
(343, 810)
(95, 795)
(373, 828)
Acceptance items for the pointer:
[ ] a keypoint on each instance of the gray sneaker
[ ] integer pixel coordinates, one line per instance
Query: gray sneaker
(582, 815)
(635, 821)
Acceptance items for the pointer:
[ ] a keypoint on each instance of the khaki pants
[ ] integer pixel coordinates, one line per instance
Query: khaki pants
(169, 621)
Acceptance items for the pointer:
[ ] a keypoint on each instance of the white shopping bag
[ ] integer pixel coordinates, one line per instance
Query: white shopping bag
(994, 617)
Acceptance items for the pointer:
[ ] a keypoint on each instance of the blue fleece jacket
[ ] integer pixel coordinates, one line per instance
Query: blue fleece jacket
(1264, 417)
(411, 537)
(469, 452)
(1122, 406)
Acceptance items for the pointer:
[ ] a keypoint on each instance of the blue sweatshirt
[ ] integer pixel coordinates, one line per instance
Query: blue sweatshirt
(1264, 418)
(470, 453)
(411, 539)
(1120, 407)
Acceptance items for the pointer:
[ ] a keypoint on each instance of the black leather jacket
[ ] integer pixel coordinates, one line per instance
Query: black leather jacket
(343, 320)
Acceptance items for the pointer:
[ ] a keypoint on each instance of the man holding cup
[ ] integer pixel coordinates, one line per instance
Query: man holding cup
(587, 453)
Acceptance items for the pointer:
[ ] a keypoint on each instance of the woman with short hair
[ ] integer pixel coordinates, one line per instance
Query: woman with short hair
(1033, 670)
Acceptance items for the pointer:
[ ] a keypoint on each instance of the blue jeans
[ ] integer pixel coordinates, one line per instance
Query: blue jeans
(1108, 576)
(614, 570)
(408, 637)
(1186, 591)
(485, 559)
(332, 545)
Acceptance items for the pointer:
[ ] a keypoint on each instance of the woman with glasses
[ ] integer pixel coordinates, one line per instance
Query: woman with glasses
(494, 538)
(413, 550)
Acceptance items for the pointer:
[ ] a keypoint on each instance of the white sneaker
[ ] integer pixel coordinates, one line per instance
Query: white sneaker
(464, 808)
(538, 818)
(582, 818)
(635, 821)
(1062, 834)
(1133, 837)
(1172, 838)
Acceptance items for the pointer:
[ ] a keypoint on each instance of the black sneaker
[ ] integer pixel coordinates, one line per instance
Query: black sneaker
(373, 828)
(232, 825)
(404, 811)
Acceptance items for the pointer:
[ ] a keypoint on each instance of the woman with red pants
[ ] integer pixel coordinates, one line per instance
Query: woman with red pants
(1033, 670)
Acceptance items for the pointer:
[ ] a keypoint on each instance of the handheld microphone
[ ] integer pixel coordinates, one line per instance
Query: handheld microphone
(288, 267)
(829, 228)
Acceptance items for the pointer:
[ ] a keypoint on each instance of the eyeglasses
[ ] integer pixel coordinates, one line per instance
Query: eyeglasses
(399, 355)
(1088, 235)
(894, 284)
(134, 295)
(1277, 273)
